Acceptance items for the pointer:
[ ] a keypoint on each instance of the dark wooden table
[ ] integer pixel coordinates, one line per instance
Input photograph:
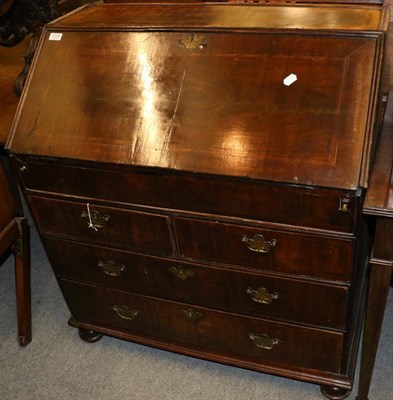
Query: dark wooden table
(379, 205)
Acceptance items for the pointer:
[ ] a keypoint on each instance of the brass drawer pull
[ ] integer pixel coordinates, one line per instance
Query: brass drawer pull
(181, 272)
(261, 295)
(124, 312)
(259, 244)
(192, 315)
(111, 268)
(264, 341)
(94, 219)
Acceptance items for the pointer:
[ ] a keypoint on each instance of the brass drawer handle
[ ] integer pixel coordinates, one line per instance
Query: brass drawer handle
(259, 244)
(111, 268)
(94, 219)
(192, 315)
(181, 272)
(264, 341)
(124, 312)
(261, 295)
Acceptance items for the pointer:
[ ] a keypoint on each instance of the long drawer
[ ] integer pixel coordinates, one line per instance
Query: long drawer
(265, 249)
(225, 289)
(134, 230)
(251, 199)
(251, 339)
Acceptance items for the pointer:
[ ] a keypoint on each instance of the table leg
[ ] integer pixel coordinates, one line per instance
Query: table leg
(380, 276)
(22, 279)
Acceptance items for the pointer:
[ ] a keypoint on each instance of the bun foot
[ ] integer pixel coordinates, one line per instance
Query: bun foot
(335, 393)
(89, 336)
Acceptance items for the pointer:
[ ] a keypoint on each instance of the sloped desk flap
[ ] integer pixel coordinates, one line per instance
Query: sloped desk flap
(271, 103)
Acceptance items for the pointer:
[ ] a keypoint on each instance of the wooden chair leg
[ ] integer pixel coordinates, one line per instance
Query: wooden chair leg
(22, 279)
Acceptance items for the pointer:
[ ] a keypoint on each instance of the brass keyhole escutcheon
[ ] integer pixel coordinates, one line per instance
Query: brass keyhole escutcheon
(95, 219)
(111, 268)
(192, 315)
(181, 272)
(261, 295)
(264, 341)
(193, 42)
(259, 244)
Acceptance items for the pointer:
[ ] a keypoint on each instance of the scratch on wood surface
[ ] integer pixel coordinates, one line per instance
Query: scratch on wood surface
(178, 96)
(170, 125)
(32, 131)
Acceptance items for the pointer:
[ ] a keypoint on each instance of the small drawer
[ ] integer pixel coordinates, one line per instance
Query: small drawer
(105, 225)
(243, 338)
(247, 293)
(265, 249)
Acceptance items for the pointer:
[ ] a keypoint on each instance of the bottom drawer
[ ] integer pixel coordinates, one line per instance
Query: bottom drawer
(245, 338)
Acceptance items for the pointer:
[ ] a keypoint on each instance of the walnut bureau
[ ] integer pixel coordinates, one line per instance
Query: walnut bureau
(197, 174)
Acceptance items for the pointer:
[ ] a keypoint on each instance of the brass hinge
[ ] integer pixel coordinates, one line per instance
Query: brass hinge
(345, 204)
